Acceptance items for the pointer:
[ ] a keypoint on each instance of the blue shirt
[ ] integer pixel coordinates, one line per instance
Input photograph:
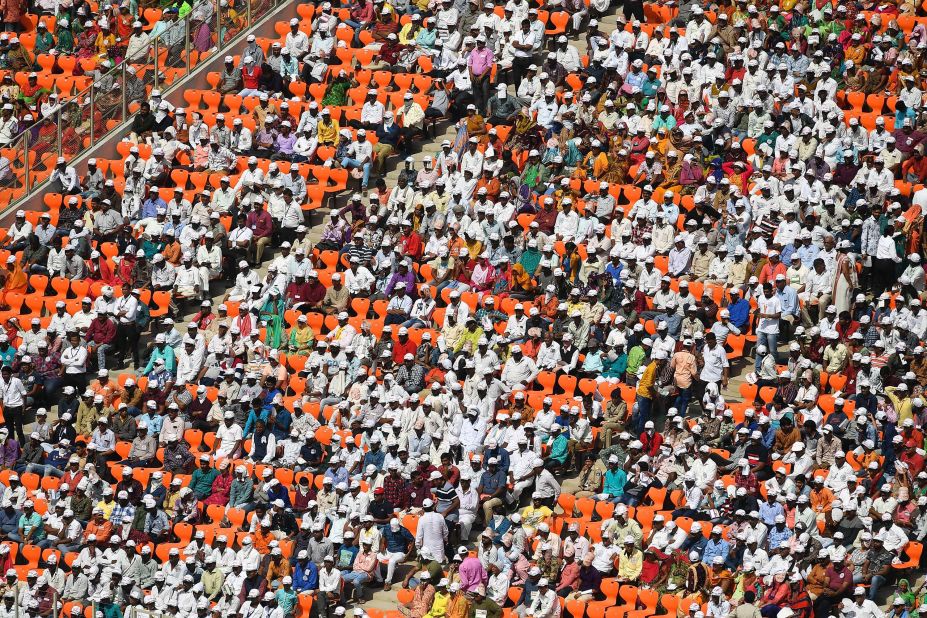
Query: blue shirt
(615, 481)
(502, 455)
(614, 272)
(398, 541)
(490, 483)
(154, 422)
(150, 207)
(789, 299)
(785, 256)
(253, 417)
(165, 353)
(282, 422)
(32, 523)
(7, 355)
(305, 576)
(740, 312)
(375, 458)
(721, 548)
(768, 512)
(339, 475)
(778, 537)
(807, 253)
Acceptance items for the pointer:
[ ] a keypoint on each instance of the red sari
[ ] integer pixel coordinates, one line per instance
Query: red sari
(221, 489)
(101, 271)
(124, 271)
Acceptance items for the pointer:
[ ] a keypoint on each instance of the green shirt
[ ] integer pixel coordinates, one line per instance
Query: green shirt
(201, 481)
(635, 357)
(28, 523)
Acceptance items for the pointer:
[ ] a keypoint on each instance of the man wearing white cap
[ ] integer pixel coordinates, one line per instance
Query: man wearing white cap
(519, 370)
(63, 179)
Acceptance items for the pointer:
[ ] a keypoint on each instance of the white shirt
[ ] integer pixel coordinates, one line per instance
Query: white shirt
(715, 361)
(885, 248)
(13, 392)
(74, 359)
(769, 305)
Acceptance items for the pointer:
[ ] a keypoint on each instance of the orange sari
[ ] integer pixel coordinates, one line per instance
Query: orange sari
(15, 282)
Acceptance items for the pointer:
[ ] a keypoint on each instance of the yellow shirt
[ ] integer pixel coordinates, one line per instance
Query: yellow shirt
(469, 340)
(439, 605)
(645, 386)
(531, 517)
(107, 508)
(328, 133)
(902, 406)
(629, 567)
(406, 36)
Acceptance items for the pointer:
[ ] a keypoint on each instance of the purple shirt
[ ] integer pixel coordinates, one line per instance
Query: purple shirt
(408, 278)
(9, 453)
(285, 143)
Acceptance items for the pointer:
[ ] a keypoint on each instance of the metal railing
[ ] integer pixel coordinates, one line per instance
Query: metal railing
(81, 121)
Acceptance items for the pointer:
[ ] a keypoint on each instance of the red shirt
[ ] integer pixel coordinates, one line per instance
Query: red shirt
(251, 77)
(769, 272)
(412, 245)
(400, 349)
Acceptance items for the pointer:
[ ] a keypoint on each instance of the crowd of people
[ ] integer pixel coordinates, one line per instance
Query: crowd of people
(645, 337)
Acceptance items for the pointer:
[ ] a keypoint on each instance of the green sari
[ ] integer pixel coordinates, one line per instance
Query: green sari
(301, 340)
(530, 259)
(337, 93)
(272, 318)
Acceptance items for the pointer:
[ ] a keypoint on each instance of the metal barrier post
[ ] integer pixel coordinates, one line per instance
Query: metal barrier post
(155, 62)
(92, 116)
(26, 176)
(58, 127)
(218, 25)
(249, 13)
(123, 93)
(186, 42)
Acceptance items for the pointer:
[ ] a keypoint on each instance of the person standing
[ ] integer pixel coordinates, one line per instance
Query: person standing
(432, 531)
(13, 392)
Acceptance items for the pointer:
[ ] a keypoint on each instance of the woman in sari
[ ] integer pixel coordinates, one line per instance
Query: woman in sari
(524, 134)
(64, 37)
(476, 125)
(775, 597)
(483, 274)
(522, 286)
(656, 568)
(619, 167)
(14, 281)
(745, 582)
(845, 280)
(799, 600)
(571, 262)
(337, 92)
(503, 278)
(98, 269)
(126, 267)
(595, 164)
(903, 591)
(459, 605)
(302, 339)
(272, 318)
(85, 45)
(221, 486)
(530, 258)
(12, 329)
